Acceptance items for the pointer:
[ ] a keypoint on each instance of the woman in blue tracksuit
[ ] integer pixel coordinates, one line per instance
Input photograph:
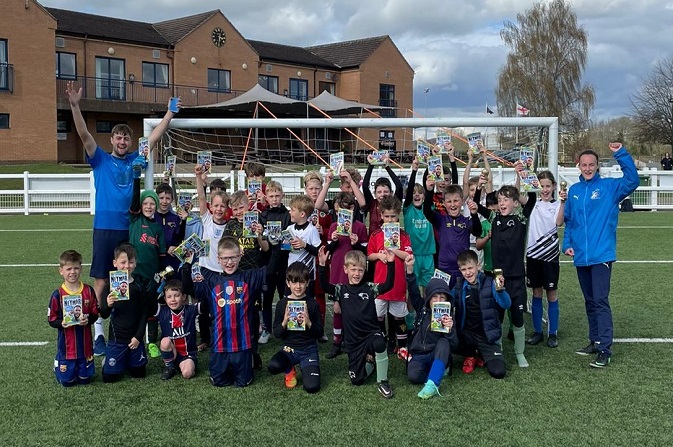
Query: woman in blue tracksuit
(590, 236)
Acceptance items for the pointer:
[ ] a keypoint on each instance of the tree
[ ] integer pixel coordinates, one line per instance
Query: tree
(653, 105)
(543, 71)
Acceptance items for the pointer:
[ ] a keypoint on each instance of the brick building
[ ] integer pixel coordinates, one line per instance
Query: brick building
(130, 69)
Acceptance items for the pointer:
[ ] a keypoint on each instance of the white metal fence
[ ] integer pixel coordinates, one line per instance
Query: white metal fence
(74, 193)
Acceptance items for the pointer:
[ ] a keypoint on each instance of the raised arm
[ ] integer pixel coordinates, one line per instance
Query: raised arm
(452, 161)
(427, 204)
(388, 285)
(135, 200)
(466, 174)
(201, 190)
(322, 272)
(630, 181)
(396, 182)
(409, 196)
(357, 192)
(365, 184)
(320, 203)
(74, 97)
(159, 131)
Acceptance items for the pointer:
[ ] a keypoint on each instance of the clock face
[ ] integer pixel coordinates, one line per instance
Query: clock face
(218, 36)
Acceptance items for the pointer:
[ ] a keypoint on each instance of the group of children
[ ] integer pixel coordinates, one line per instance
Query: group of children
(234, 281)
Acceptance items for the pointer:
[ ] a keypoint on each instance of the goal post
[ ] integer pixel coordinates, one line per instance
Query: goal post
(550, 123)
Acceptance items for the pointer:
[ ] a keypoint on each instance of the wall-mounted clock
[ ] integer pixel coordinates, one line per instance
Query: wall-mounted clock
(219, 37)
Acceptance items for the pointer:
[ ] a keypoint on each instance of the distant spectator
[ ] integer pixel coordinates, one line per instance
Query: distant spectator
(667, 162)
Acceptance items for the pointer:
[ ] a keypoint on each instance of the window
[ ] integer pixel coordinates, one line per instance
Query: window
(298, 89)
(106, 126)
(268, 82)
(4, 120)
(155, 75)
(4, 68)
(329, 87)
(219, 80)
(387, 99)
(110, 78)
(62, 125)
(66, 66)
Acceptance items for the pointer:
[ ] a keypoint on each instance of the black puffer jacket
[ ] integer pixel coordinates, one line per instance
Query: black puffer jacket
(424, 340)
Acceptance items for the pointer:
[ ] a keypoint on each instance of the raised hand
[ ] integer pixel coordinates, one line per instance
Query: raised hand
(74, 96)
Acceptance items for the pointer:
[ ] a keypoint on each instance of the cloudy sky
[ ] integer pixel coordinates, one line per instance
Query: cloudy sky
(453, 45)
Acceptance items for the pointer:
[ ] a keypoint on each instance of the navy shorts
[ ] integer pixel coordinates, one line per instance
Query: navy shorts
(119, 357)
(68, 371)
(231, 368)
(104, 243)
(542, 274)
(302, 357)
(181, 358)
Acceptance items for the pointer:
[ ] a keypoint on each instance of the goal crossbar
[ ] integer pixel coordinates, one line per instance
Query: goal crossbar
(334, 123)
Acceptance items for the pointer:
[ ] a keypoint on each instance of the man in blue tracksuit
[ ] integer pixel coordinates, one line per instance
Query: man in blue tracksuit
(590, 236)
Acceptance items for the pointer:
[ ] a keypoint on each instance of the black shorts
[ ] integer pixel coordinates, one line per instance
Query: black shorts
(104, 244)
(542, 274)
(357, 356)
(471, 344)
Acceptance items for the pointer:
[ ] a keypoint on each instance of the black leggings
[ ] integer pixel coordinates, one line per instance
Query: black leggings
(137, 373)
(310, 375)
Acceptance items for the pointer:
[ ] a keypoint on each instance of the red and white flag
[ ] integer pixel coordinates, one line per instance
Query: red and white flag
(521, 110)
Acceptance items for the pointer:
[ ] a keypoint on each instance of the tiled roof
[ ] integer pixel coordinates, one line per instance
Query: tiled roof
(80, 24)
(348, 54)
(285, 53)
(176, 29)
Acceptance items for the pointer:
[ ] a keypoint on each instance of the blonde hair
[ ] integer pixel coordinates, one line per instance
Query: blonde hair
(356, 258)
(238, 198)
(312, 175)
(303, 203)
(274, 186)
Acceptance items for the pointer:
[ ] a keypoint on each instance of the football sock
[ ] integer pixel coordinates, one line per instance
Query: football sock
(167, 357)
(98, 328)
(437, 371)
(520, 345)
(553, 311)
(536, 313)
(381, 366)
(382, 326)
(400, 332)
(320, 299)
(338, 327)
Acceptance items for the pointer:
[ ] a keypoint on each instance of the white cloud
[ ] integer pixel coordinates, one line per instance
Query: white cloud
(454, 45)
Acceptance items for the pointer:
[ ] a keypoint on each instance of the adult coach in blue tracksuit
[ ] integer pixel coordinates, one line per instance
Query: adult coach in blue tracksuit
(590, 236)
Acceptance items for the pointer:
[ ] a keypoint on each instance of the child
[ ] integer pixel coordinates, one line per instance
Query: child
(213, 219)
(276, 278)
(256, 171)
(483, 243)
(229, 298)
(172, 224)
(440, 185)
(251, 246)
(542, 255)
(338, 246)
(362, 334)
(305, 238)
(147, 237)
(508, 246)
(476, 303)
(453, 228)
(382, 188)
(299, 347)
(419, 229)
(313, 184)
(395, 300)
(126, 348)
(178, 329)
(74, 347)
(430, 351)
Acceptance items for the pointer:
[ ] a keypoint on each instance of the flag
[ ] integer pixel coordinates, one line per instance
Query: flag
(488, 110)
(521, 110)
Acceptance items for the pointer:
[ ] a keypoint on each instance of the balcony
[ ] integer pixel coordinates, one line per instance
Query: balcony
(104, 94)
(388, 113)
(7, 78)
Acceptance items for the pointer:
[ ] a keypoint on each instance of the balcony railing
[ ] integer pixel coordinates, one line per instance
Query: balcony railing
(388, 113)
(106, 89)
(7, 78)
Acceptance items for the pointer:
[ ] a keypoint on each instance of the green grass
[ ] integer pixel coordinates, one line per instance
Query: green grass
(559, 400)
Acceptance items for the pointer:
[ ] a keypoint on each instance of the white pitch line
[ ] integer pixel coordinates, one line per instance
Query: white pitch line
(34, 265)
(641, 227)
(24, 343)
(643, 340)
(49, 229)
(632, 262)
